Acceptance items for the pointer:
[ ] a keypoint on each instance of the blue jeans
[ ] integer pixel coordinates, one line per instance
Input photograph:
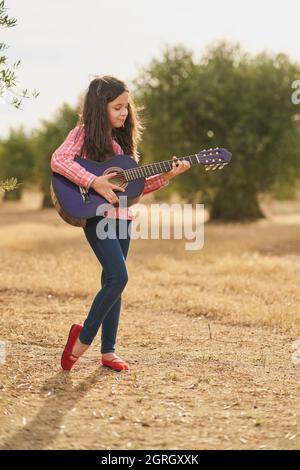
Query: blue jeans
(106, 307)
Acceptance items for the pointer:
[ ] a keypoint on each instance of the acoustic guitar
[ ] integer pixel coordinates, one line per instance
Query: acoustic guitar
(75, 204)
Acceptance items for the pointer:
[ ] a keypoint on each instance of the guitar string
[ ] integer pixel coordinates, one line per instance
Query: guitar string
(153, 164)
(149, 165)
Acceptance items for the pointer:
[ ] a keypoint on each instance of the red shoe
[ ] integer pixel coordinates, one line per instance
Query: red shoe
(66, 361)
(116, 364)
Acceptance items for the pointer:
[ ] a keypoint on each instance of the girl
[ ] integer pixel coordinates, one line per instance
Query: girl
(108, 125)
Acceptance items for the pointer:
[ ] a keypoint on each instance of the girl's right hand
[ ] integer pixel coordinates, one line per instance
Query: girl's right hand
(103, 187)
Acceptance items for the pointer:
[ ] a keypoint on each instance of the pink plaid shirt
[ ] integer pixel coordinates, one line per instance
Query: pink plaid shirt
(62, 162)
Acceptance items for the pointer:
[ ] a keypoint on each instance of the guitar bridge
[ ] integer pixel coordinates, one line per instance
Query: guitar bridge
(85, 195)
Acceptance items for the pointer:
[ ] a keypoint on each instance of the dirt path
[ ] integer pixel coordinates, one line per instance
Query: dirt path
(197, 381)
(192, 385)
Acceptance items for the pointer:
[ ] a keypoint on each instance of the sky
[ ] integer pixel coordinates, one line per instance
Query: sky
(63, 44)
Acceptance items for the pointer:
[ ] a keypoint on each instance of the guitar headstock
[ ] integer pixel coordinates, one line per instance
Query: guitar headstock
(214, 159)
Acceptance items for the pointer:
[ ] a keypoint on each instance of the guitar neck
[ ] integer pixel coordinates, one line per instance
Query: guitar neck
(152, 169)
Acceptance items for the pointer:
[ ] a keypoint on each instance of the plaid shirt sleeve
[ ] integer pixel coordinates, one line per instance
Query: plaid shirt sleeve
(62, 160)
(153, 183)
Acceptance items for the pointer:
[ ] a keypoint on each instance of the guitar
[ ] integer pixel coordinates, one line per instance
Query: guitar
(75, 204)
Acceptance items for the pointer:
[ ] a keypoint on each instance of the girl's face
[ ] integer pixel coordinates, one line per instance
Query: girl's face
(118, 110)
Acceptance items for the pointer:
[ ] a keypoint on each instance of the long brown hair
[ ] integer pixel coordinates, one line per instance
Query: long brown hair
(94, 117)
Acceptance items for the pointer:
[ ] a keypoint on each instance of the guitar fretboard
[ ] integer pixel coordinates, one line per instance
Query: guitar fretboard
(152, 169)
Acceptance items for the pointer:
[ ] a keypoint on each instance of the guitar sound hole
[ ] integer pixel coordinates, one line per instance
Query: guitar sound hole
(119, 180)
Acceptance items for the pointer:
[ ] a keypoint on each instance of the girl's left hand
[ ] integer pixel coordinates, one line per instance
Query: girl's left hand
(180, 167)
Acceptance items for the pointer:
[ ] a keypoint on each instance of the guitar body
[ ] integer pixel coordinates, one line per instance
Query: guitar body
(76, 204)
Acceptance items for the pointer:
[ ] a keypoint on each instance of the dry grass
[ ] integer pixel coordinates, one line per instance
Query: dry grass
(207, 334)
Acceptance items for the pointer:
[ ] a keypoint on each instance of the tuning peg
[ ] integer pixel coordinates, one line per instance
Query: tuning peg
(221, 166)
(215, 167)
(207, 168)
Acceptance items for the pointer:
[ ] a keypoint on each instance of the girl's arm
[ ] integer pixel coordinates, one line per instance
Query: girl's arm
(160, 181)
(62, 160)
(153, 183)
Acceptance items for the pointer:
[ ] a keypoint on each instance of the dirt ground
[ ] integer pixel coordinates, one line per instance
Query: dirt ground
(208, 336)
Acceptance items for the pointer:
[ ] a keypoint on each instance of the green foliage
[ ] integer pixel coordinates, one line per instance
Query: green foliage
(227, 99)
(45, 141)
(28, 156)
(17, 157)
(8, 82)
(8, 78)
(9, 184)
